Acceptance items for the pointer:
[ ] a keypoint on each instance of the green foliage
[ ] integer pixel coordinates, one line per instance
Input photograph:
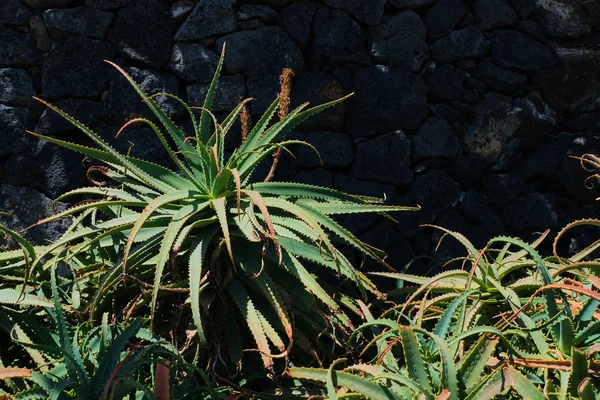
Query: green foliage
(103, 362)
(511, 325)
(207, 235)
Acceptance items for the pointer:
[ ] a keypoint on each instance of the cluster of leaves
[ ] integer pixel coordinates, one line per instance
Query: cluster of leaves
(513, 325)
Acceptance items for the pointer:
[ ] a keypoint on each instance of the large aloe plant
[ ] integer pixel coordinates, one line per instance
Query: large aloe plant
(232, 247)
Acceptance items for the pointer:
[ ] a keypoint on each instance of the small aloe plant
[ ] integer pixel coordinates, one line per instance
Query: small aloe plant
(232, 247)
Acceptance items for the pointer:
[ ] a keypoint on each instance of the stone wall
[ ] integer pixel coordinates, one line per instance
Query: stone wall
(470, 108)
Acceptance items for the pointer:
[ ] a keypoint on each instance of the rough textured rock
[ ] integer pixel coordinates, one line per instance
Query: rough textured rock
(319, 177)
(463, 44)
(446, 83)
(562, 18)
(153, 47)
(25, 207)
(16, 87)
(262, 13)
(124, 103)
(435, 138)
(13, 12)
(13, 123)
(180, 9)
(581, 94)
(18, 49)
(499, 79)
(384, 236)
(193, 62)
(467, 171)
(37, 27)
(230, 90)
(209, 18)
(87, 112)
(141, 143)
(404, 4)
(337, 39)
(523, 7)
(76, 68)
(271, 47)
(444, 17)
(533, 212)
(107, 4)
(532, 29)
(263, 89)
(473, 207)
(78, 20)
(318, 88)
(501, 189)
(400, 40)
(368, 12)
(512, 49)
(385, 99)
(385, 159)
(435, 192)
(296, 20)
(42, 4)
(490, 14)
(334, 148)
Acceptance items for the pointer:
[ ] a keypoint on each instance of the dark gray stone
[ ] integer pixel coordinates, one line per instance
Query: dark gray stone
(250, 25)
(385, 100)
(435, 138)
(334, 148)
(124, 103)
(180, 9)
(385, 159)
(317, 88)
(490, 14)
(539, 121)
(501, 189)
(43, 4)
(107, 4)
(337, 39)
(85, 111)
(542, 164)
(523, 7)
(446, 83)
(209, 18)
(435, 192)
(473, 207)
(444, 17)
(16, 87)
(467, 43)
(512, 49)
(264, 90)
(404, 4)
(509, 157)
(229, 92)
(79, 20)
(152, 45)
(400, 40)
(296, 20)
(37, 27)
(533, 212)
(398, 251)
(18, 49)
(499, 79)
(368, 12)
(579, 67)
(13, 12)
(562, 18)
(318, 177)
(23, 207)
(49, 169)
(271, 48)
(75, 68)
(259, 12)
(13, 123)
(193, 62)
(532, 29)
(467, 171)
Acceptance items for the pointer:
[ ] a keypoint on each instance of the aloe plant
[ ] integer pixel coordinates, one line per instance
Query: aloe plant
(96, 362)
(208, 233)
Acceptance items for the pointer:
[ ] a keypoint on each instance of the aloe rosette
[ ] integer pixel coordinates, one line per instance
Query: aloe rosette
(251, 251)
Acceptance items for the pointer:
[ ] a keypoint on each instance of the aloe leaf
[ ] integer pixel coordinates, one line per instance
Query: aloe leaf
(414, 360)
(219, 207)
(16, 297)
(304, 191)
(579, 369)
(196, 264)
(246, 306)
(472, 365)
(205, 119)
(523, 386)
(357, 384)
